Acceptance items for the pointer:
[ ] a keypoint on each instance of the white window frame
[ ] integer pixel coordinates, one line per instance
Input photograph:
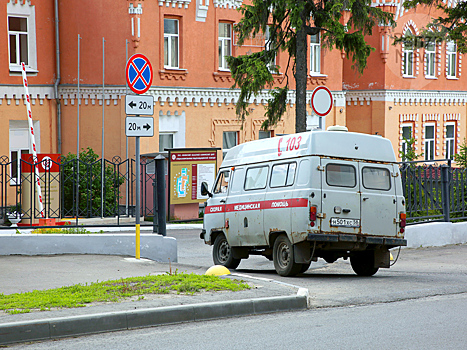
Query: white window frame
(225, 148)
(20, 140)
(450, 140)
(451, 59)
(430, 144)
(430, 60)
(16, 9)
(161, 149)
(315, 55)
(264, 134)
(223, 43)
(408, 55)
(173, 39)
(16, 180)
(267, 45)
(404, 143)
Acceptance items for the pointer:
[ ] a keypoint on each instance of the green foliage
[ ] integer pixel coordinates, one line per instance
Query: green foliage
(461, 157)
(409, 155)
(451, 26)
(116, 290)
(89, 174)
(289, 22)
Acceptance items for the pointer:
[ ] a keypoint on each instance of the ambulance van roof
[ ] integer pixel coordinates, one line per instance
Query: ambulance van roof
(337, 144)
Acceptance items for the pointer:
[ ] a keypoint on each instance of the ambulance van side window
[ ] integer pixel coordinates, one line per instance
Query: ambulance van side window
(222, 182)
(256, 178)
(376, 178)
(341, 175)
(283, 175)
(237, 181)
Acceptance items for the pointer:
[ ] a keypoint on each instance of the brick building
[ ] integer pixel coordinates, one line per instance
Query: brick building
(403, 92)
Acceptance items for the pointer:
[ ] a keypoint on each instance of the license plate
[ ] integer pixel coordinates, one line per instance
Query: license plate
(345, 222)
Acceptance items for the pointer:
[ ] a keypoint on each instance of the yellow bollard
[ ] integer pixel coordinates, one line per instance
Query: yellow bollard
(137, 256)
(217, 270)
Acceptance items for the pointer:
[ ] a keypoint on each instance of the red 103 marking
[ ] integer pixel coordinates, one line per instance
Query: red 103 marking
(293, 143)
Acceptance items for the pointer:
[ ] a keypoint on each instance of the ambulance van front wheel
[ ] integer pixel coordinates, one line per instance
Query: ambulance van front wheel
(283, 257)
(222, 254)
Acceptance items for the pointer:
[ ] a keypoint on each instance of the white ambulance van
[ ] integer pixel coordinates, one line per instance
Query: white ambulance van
(296, 198)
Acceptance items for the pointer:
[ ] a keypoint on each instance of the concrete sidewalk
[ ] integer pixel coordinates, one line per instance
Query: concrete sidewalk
(27, 273)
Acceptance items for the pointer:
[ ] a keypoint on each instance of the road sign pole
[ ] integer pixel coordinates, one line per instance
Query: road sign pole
(137, 206)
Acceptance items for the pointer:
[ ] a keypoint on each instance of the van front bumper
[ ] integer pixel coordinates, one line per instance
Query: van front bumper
(345, 238)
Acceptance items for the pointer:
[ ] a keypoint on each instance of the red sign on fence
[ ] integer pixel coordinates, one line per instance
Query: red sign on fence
(47, 163)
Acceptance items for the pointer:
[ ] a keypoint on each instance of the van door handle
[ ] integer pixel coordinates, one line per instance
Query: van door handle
(365, 198)
(346, 210)
(223, 200)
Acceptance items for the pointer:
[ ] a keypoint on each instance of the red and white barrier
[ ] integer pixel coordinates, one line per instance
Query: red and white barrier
(33, 141)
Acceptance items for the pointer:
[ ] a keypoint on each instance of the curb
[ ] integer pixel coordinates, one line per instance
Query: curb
(47, 329)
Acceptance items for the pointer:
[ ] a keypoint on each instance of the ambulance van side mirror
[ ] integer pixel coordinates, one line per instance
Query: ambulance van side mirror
(204, 189)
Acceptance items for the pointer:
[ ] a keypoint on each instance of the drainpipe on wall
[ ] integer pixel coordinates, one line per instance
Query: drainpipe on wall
(57, 82)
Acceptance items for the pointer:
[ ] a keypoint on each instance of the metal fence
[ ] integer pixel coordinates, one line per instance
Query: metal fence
(434, 191)
(88, 188)
(82, 188)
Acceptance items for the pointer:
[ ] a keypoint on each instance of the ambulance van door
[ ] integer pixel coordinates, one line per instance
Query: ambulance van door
(248, 207)
(232, 223)
(378, 199)
(340, 196)
(278, 203)
(214, 213)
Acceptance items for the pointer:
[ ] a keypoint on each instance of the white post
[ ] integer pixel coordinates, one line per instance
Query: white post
(33, 142)
(103, 132)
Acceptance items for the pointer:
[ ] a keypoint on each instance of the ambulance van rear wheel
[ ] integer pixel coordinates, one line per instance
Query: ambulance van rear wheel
(222, 254)
(283, 257)
(363, 263)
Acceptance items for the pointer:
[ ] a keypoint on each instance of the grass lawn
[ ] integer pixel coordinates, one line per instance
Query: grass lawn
(80, 295)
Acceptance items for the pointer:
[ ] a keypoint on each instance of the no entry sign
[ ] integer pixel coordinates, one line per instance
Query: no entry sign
(321, 101)
(139, 73)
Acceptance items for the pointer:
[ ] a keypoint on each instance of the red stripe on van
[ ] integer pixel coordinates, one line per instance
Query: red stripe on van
(271, 204)
(214, 209)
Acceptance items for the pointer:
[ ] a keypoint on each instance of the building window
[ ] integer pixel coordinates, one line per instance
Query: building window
(429, 142)
(406, 137)
(166, 141)
(229, 140)
(171, 41)
(408, 56)
(18, 40)
(450, 140)
(430, 55)
(451, 58)
(15, 165)
(19, 141)
(21, 36)
(268, 45)
(225, 44)
(264, 134)
(315, 54)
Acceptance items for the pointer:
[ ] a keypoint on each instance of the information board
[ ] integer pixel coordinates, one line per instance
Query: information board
(188, 168)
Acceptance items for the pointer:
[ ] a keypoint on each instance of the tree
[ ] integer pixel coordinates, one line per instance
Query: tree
(451, 26)
(461, 157)
(90, 180)
(289, 23)
(409, 155)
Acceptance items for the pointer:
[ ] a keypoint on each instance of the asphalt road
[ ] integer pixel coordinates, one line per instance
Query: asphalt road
(417, 273)
(427, 323)
(420, 302)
